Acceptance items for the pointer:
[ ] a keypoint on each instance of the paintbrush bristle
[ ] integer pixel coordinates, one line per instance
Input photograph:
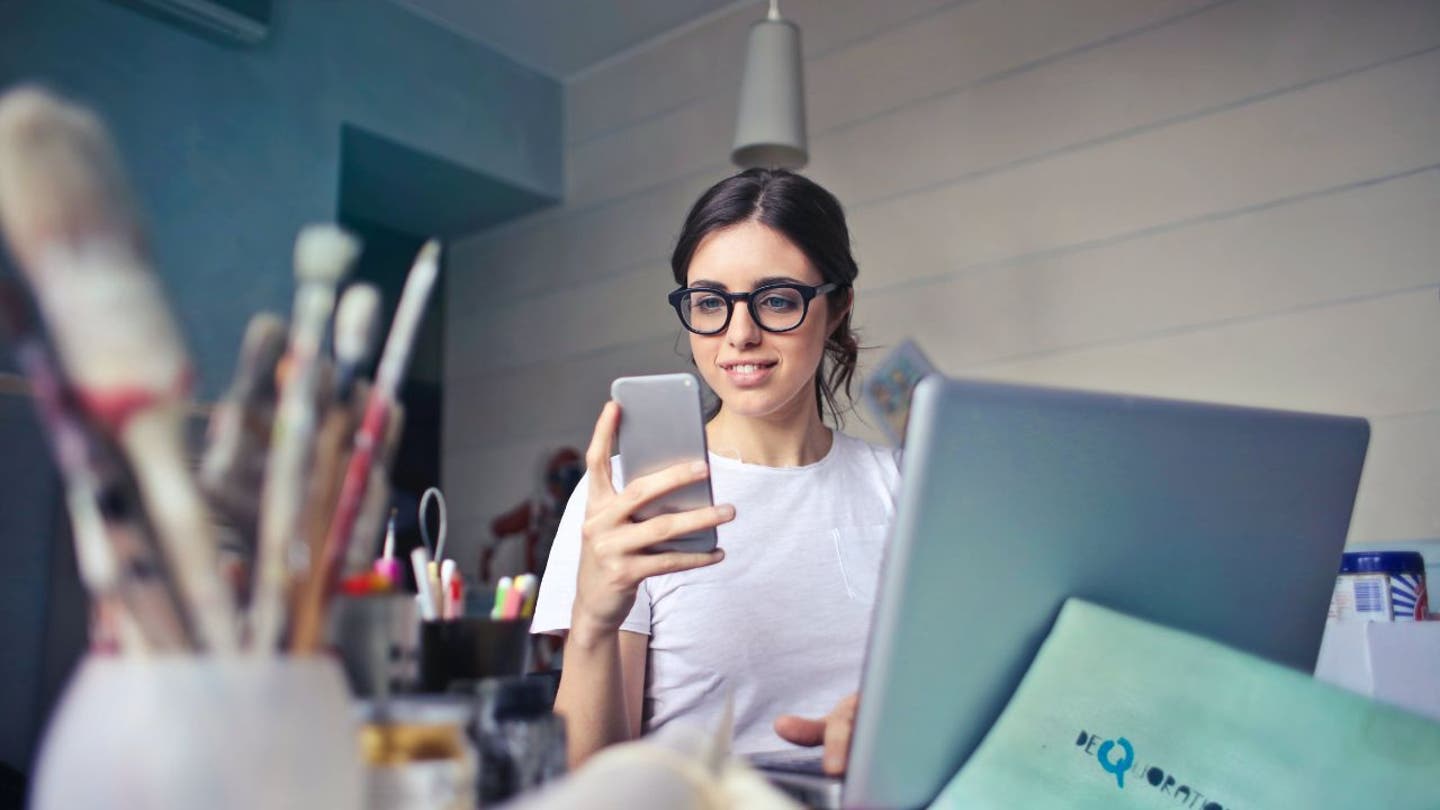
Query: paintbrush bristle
(60, 177)
(323, 253)
(71, 224)
(355, 322)
(260, 353)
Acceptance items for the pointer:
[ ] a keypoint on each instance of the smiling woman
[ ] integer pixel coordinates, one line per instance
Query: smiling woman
(762, 228)
(776, 618)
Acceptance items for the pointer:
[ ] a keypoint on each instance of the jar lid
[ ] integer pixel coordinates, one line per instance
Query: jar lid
(442, 710)
(1382, 562)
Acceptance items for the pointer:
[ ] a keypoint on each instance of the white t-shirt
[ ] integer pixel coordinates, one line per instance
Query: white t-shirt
(783, 619)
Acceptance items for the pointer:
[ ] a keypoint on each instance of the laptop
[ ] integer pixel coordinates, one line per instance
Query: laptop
(1223, 521)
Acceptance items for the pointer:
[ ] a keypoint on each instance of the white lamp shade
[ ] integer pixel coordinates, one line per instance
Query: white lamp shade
(770, 128)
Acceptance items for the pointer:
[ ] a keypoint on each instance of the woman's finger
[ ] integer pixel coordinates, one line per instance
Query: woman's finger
(597, 456)
(799, 730)
(647, 488)
(837, 742)
(640, 536)
(670, 562)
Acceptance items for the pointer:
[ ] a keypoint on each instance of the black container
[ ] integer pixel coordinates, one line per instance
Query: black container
(468, 649)
(520, 741)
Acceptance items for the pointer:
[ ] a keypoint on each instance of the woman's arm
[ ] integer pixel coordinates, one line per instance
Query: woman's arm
(601, 689)
(602, 682)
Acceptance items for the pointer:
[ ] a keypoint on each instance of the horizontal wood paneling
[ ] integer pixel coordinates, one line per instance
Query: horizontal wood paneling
(705, 61)
(1397, 499)
(965, 44)
(1228, 201)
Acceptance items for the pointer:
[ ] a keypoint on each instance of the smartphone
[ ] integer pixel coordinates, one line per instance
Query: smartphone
(660, 426)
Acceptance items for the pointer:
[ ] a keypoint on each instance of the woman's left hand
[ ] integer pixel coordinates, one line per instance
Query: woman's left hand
(832, 731)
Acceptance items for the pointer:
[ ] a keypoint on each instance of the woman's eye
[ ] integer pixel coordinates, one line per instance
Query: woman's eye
(778, 303)
(709, 303)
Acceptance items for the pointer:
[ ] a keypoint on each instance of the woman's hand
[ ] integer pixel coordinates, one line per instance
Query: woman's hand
(613, 556)
(832, 731)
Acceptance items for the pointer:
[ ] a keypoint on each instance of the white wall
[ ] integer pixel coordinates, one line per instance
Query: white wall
(1235, 201)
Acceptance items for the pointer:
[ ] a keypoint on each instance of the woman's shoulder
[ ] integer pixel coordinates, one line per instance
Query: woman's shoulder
(858, 451)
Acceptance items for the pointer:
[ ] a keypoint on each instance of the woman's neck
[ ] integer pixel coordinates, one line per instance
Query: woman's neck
(778, 440)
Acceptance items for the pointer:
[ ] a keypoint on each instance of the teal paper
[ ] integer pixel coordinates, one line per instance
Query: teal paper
(1119, 713)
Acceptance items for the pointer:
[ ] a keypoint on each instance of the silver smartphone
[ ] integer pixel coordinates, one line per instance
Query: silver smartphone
(660, 426)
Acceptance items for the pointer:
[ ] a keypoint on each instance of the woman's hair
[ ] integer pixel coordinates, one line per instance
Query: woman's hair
(812, 219)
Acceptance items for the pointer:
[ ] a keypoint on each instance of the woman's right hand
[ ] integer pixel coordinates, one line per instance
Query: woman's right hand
(613, 555)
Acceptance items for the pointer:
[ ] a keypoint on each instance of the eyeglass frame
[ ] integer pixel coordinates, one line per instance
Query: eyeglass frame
(807, 294)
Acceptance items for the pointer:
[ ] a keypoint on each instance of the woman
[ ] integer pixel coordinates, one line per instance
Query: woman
(777, 616)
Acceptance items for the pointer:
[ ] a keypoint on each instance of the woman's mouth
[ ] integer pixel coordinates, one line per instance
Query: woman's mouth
(749, 373)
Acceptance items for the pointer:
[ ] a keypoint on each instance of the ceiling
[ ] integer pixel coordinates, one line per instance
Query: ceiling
(564, 37)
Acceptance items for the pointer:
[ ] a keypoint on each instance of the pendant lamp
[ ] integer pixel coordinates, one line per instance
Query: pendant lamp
(770, 129)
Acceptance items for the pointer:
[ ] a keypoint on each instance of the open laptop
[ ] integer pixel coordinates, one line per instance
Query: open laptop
(1222, 521)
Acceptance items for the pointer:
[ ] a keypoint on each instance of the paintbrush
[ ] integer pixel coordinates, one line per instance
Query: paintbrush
(310, 610)
(323, 254)
(371, 437)
(370, 522)
(356, 319)
(67, 215)
(232, 471)
(116, 556)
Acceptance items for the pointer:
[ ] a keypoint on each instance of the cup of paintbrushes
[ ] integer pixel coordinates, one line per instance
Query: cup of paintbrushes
(180, 731)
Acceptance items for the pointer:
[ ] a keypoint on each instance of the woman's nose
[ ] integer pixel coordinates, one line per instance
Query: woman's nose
(743, 331)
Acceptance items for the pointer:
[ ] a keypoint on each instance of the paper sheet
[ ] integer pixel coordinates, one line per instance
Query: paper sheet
(1116, 712)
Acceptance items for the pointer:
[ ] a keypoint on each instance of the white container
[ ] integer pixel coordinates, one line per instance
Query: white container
(1394, 662)
(201, 732)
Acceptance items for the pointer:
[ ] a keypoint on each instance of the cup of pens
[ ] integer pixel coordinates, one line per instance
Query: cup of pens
(461, 649)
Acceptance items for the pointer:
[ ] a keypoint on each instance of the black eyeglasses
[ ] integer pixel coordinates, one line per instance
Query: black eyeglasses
(774, 307)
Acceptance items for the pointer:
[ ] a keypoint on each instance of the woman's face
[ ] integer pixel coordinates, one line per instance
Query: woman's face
(757, 373)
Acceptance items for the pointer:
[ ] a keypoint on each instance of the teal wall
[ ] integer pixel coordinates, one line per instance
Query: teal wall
(231, 150)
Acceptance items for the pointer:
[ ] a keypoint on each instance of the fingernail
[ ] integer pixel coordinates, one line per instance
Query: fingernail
(699, 467)
(726, 510)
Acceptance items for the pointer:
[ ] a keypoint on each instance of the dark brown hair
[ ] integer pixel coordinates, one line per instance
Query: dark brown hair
(813, 220)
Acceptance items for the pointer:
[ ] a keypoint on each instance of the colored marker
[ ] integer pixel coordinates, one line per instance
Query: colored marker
(502, 589)
(529, 586)
(425, 598)
(514, 599)
(455, 597)
(387, 566)
(447, 579)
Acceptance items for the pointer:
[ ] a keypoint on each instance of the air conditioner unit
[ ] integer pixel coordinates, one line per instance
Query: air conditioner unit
(246, 22)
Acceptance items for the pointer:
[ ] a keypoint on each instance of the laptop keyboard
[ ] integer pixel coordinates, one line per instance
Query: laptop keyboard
(801, 761)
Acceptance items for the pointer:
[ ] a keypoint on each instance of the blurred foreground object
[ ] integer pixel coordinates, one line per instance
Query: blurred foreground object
(680, 767)
(191, 732)
(68, 218)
